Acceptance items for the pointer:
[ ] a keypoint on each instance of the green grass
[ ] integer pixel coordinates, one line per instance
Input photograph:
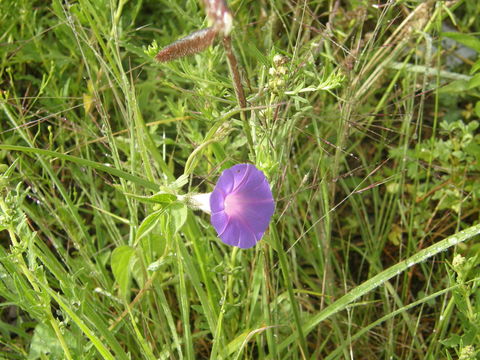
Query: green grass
(367, 130)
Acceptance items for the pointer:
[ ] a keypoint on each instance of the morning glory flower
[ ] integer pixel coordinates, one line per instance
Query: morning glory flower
(241, 206)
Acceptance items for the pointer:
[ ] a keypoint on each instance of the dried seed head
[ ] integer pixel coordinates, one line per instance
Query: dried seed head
(191, 44)
(279, 60)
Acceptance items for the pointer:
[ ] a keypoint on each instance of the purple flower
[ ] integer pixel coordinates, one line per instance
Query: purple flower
(241, 206)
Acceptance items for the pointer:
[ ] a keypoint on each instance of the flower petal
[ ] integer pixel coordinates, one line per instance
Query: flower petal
(247, 239)
(231, 234)
(225, 182)
(254, 192)
(217, 200)
(256, 215)
(219, 221)
(255, 200)
(252, 181)
(239, 173)
(242, 205)
(236, 234)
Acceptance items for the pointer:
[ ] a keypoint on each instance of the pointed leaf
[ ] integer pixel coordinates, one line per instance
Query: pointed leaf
(465, 39)
(148, 224)
(121, 260)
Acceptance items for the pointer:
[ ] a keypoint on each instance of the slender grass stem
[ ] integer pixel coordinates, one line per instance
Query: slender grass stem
(384, 276)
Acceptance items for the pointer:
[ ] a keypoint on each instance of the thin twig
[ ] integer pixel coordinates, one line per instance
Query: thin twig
(142, 292)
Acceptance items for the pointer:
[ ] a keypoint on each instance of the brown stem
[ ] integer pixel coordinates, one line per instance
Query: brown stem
(237, 84)
(237, 81)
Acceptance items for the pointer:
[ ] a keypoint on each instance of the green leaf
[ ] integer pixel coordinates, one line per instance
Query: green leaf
(45, 343)
(148, 224)
(160, 198)
(455, 86)
(452, 341)
(236, 344)
(154, 266)
(178, 216)
(258, 55)
(180, 182)
(465, 39)
(474, 82)
(163, 198)
(473, 149)
(475, 67)
(469, 337)
(121, 260)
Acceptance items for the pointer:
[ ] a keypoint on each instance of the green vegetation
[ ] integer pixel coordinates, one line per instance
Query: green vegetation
(365, 119)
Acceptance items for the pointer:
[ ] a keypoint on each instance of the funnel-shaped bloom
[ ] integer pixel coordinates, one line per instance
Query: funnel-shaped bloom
(241, 205)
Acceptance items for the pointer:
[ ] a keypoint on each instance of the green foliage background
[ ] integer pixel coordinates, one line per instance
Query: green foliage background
(364, 117)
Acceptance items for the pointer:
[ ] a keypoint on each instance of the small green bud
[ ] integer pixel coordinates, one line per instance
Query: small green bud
(467, 352)
(458, 262)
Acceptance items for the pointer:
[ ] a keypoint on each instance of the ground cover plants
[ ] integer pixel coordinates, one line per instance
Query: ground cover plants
(363, 116)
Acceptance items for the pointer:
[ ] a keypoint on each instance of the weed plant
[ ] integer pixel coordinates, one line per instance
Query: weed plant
(362, 114)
